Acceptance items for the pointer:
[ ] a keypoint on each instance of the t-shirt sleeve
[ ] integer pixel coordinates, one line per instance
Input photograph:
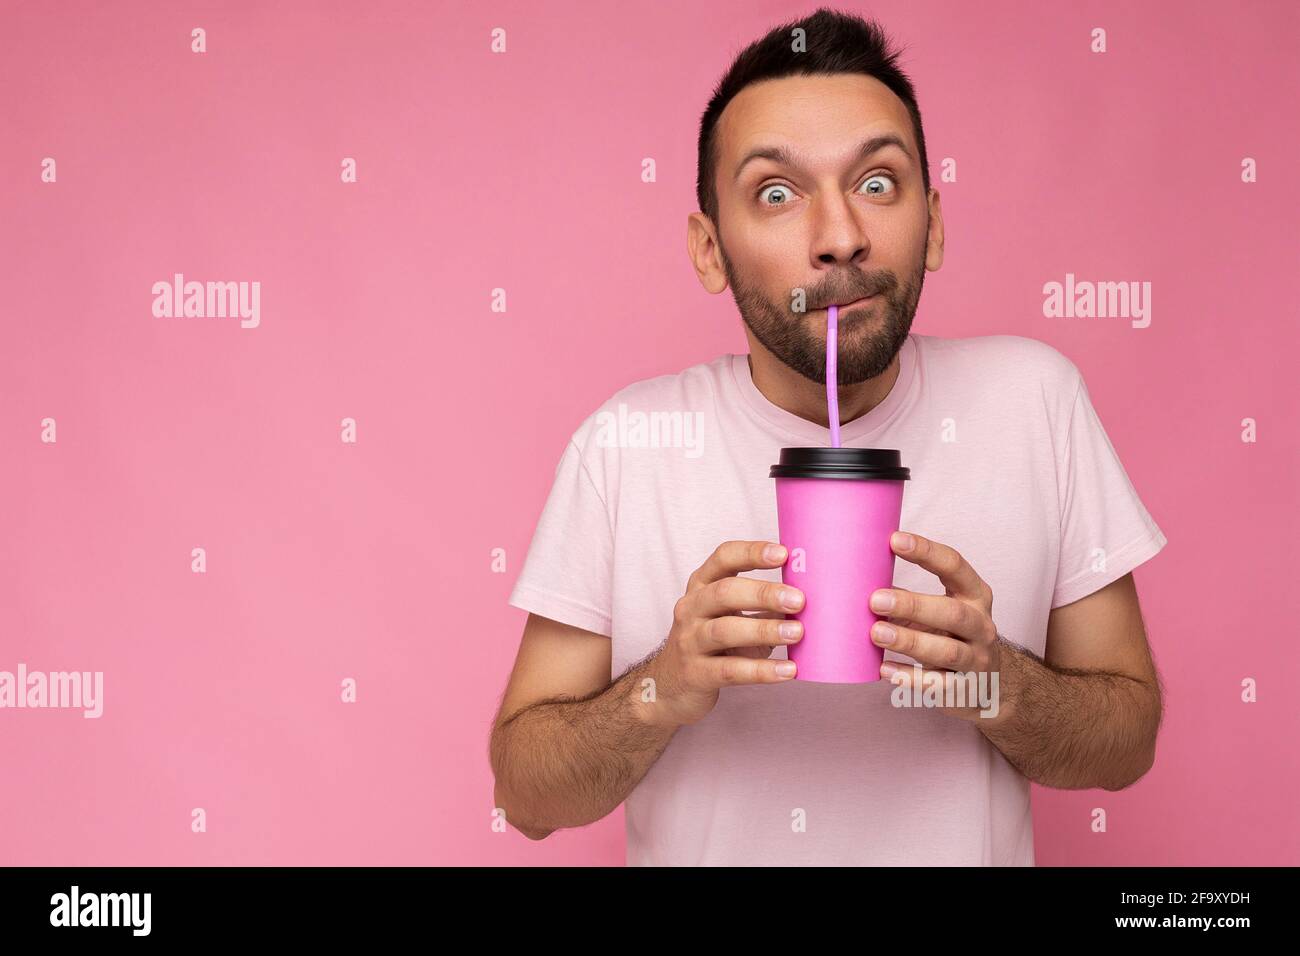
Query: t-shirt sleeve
(566, 574)
(1106, 531)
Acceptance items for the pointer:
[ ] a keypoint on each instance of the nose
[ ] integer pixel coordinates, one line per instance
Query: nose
(839, 239)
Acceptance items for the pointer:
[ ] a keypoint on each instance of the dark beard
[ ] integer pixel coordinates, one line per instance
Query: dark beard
(869, 336)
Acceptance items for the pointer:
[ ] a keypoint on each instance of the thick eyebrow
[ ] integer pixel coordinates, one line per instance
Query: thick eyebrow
(780, 154)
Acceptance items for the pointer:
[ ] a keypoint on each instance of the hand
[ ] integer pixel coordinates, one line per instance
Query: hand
(710, 647)
(951, 633)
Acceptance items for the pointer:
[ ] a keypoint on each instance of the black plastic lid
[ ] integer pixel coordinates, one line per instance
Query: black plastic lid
(826, 462)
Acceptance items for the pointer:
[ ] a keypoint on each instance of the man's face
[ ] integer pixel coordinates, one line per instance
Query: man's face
(828, 219)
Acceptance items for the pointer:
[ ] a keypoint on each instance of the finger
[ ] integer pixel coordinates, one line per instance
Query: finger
(742, 594)
(936, 612)
(722, 633)
(728, 670)
(915, 625)
(958, 577)
(944, 653)
(732, 557)
(758, 651)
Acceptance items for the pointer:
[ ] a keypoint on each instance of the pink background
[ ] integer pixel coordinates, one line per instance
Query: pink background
(522, 171)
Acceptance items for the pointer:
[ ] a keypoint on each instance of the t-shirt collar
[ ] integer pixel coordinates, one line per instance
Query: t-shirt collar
(811, 434)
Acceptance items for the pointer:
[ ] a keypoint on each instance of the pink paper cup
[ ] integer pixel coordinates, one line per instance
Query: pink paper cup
(836, 509)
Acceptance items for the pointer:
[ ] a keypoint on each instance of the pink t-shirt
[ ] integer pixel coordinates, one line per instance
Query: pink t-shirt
(1010, 466)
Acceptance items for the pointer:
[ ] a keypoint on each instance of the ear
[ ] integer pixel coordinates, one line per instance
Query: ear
(934, 239)
(702, 247)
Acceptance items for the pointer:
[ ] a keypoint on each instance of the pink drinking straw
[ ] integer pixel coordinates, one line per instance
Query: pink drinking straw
(832, 379)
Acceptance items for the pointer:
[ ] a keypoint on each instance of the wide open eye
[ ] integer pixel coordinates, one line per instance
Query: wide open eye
(877, 180)
(781, 196)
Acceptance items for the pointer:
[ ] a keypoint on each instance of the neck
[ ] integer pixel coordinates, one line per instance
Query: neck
(787, 389)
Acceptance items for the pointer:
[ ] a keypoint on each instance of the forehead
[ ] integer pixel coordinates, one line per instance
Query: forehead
(822, 117)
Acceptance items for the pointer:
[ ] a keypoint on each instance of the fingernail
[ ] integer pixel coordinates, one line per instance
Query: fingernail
(882, 601)
(790, 630)
(903, 541)
(785, 669)
(888, 670)
(791, 598)
(774, 552)
(884, 634)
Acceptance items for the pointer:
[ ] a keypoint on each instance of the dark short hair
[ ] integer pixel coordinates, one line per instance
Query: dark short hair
(836, 43)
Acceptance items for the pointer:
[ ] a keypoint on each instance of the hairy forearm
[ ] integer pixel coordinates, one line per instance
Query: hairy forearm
(568, 762)
(1073, 729)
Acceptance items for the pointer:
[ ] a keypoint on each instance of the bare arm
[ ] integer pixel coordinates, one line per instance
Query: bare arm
(1084, 716)
(1087, 714)
(568, 745)
(571, 758)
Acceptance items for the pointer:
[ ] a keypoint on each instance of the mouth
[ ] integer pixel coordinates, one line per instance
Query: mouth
(855, 304)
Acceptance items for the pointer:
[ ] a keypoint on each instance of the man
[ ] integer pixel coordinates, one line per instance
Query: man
(650, 662)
